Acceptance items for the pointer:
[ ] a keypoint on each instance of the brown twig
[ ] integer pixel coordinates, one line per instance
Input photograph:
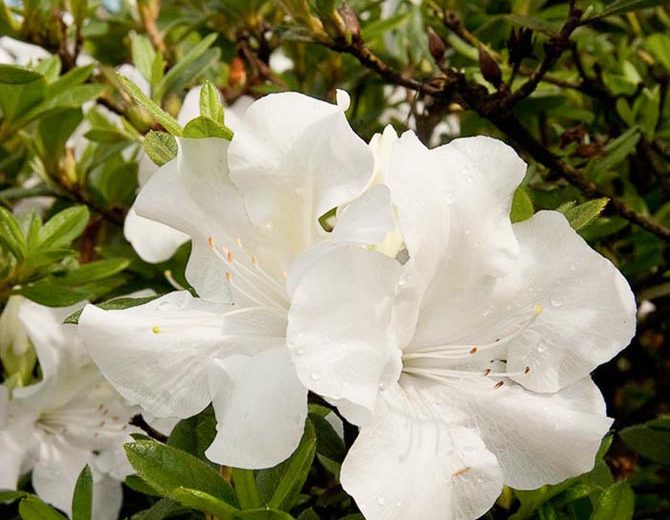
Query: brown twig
(142, 424)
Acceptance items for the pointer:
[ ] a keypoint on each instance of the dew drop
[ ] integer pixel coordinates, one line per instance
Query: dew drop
(466, 231)
(572, 267)
(402, 281)
(480, 479)
(556, 301)
(315, 376)
(300, 351)
(381, 501)
(450, 198)
(542, 347)
(164, 306)
(398, 503)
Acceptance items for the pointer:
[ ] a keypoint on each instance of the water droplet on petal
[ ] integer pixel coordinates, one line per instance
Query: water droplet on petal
(381, 501)
(399, 503)
(315, 376)
(542, 347)
(450, 198)
(164, 306)
(572, 267)
(300, 351)
(480, 479)
(556, 300)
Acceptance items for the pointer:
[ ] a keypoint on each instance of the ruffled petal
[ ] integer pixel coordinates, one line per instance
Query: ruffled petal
(538, 438)
(296, 158)
(405, 465)
(157, 354)
(260, 406)
(152, 241)
(339, 331)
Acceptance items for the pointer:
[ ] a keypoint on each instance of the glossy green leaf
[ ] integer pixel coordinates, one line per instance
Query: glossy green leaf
(11, 238)
(15, 75)
(166, 468)
(244, 482)
(165, 119)
(115, 304)
(204, 502)
(161, 147)
(202, 127)
(64, 227)
(32, 508)
(210, 103)
(82, 500)
(617, 502)
(650, 439)
(585, 214)
(522, 205)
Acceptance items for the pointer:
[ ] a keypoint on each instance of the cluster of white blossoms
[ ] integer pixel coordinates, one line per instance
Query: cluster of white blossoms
(388, 279)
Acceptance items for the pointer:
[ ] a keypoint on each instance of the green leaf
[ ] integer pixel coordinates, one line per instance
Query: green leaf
(10, 496)
(11, 237)
(210, 103)
(111, 305)
(244, 481)
(188, 67)
(143, 54)
(161, 147)
(46, 293)
(328, 441)
(14, 75)
(32, 508)
(262, 514)
(615, 503)
(617, 150)
(82, 500)
(165, 119)
(585, 214)
(164, 508)
(73, 97)
(166, 468)
(658, 46)
(281, 485)
(624, 6)
(202, 126)
(651, 439)
(93, 271)
(63, 228)
(204, 502)
(74, 77)
(522, 205)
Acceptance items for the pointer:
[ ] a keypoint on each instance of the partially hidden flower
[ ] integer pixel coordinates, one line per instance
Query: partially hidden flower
(70, 418)
(464, 353)
(250, 207)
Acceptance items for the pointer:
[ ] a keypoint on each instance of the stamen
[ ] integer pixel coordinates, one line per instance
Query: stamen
(456, 351)
(168, 276)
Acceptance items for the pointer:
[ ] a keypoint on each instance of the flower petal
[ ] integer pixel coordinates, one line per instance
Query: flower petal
(538, 438)
(157, 354)
(404, 466)
(152, 241)
(296, 158)
(589, 308)
(260, 406)
(339, 334)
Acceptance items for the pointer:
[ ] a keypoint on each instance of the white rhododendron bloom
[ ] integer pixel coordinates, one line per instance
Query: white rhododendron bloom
(464, 356)
(250, 207)
(71, 418)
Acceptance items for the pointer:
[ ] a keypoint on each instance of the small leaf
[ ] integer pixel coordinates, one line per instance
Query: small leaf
(522, 205)
(210, 103)
(187, 67)
(82, 500)
(615, 503)
(202, 126)
(63, 228)
(651, 439)
(143, 54)
(585, 214)
(32, 508)
(11, 237)
(14, 75)
(204, 502)
(115, 304)
(166, 468)
(161, 147)
(93, 271)
(165, 119)
(246, 489)
(624, 6)
(9, 496)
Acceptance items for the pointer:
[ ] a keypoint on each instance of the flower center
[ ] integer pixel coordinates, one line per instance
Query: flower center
(432, 362)
(247, 278)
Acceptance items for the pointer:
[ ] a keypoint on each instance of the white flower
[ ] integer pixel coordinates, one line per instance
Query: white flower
(71, 418)
(153, 241)
(251, 207)
(16, 52)
(467, 366)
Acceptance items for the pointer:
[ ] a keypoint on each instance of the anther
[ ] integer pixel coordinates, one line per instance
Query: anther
(210, 241)
(499, 384)
(538, 309)
(229, 276)
(473, 350)
(155, 329)
(487, 372)
(229, 254)
(526, 370)
(238, 242)
(461, 472)
(254, 261)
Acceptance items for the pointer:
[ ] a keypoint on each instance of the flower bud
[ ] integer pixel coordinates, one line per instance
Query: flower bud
(489, 68)
(436, 45)
(520, 45)
(16, 350)
(351, 24)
